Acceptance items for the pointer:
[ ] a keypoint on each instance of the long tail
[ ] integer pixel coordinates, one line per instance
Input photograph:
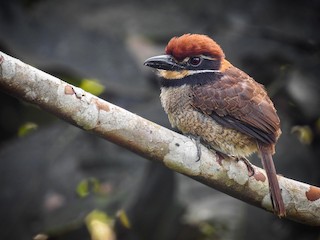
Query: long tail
(275, 192)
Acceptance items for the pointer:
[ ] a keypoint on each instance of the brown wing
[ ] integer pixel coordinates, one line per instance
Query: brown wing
(237, 101)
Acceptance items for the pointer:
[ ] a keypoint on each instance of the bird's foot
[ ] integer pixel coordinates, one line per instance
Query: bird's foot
(220, 157)
(197, 142)
(248, 164)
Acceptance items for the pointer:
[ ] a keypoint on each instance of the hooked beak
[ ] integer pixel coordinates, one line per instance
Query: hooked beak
(165, 62)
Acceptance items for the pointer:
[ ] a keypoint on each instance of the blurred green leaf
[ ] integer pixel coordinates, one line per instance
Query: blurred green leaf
(318, 125)
(26, 128)
(100, 226)
(207, 229)
(86, 186)
(92, 86)
(123, 217)
(304, 134)
(40, 236)
(212, 229)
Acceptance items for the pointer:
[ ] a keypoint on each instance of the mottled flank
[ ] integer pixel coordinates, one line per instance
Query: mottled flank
(193, 45)
(313, 194)
(177, 104)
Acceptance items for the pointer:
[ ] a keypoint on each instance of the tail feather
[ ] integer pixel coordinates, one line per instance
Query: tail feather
(275, 192)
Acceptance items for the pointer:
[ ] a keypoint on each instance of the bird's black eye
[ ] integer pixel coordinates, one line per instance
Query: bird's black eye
(194, 61)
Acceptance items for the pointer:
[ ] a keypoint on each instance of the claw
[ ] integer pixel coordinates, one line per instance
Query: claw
(197, 141)
(248, 164)
(220, 157)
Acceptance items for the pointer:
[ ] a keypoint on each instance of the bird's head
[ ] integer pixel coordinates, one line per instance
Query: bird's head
(186, 56)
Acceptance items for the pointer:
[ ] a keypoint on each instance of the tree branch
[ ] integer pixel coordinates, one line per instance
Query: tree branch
(154, 142)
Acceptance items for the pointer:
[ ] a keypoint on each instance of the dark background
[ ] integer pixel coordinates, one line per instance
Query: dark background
(276, 42)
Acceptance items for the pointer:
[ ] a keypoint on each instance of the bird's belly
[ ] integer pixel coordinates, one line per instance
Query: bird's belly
(222, 139)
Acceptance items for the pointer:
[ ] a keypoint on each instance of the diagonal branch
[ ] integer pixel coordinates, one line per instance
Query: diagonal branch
(152, 141)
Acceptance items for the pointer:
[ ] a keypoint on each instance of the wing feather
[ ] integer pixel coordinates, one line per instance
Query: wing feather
(236, 101)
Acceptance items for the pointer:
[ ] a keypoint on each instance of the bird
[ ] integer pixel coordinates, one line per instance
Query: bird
(208, 98)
